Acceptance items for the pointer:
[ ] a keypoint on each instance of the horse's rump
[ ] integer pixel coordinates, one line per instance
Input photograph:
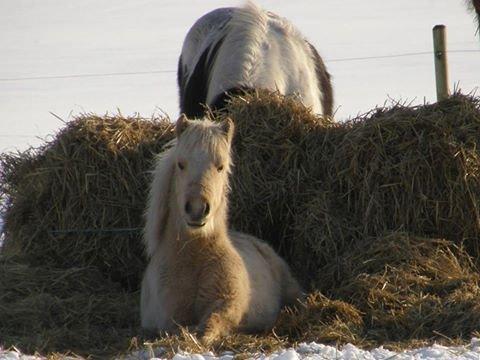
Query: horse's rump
(233, 49)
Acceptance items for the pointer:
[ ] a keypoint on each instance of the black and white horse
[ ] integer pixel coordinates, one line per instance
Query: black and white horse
(230, 50)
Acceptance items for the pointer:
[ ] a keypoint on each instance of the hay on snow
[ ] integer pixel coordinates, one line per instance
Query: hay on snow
(377, 216)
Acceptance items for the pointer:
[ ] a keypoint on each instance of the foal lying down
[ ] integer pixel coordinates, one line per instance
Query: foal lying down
(200, 274)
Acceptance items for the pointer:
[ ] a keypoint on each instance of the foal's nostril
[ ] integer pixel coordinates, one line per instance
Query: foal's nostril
(206, 210)
(188, 207)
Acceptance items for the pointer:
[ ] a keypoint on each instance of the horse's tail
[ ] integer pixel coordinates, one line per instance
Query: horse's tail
(476, 6)
(323, 81)
(157, 206)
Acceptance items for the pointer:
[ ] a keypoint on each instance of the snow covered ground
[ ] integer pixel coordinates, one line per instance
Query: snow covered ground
(68, 57)
(316, 351)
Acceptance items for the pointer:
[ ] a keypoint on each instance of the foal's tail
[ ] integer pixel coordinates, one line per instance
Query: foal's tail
(291, 289)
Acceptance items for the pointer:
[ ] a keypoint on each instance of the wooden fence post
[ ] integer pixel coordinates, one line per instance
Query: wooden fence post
(441, 64)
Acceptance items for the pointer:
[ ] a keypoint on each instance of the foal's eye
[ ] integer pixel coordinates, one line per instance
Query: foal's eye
(220, 168)
(181, 166)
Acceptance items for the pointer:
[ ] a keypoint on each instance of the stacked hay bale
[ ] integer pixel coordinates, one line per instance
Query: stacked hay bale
(401, 169)
(359, 210)
(271, 160)
(72, 259)
(314, 187)
(49, 309)
(408, 288)
(70, 201)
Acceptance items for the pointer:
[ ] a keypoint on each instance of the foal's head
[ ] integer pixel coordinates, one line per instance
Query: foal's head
(202, 167)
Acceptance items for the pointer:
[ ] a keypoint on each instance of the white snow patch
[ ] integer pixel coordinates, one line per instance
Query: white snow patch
(310, 351)
(315, 351)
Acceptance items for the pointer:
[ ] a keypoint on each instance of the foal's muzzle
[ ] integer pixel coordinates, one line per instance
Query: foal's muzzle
(197, 210)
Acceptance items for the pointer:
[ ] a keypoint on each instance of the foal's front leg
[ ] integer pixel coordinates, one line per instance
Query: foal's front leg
(222, 303)
(219, 319)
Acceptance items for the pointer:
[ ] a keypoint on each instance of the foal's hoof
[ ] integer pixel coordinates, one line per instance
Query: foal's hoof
(209, 339)
(213, 330)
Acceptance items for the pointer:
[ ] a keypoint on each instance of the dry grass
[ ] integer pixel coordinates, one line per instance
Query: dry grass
(408, 169)
(270, 157)
(409, 288)
(74, 310)
(316, 318)
(92, 176)
(378, 216)
(63, 290)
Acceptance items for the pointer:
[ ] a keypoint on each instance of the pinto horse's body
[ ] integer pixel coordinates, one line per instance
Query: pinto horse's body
(201, 274)
(230, 50)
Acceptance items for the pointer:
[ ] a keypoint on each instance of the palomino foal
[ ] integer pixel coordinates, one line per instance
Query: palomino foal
(201, 274)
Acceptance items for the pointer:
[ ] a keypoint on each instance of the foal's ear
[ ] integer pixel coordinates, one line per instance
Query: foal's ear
(181, 125)
(228, 128)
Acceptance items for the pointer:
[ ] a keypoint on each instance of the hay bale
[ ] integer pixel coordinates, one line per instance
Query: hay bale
(318, 318)
(325, 195)
(394, 290)
(44, 309)
(408, 287)
(410, 169)
(68, 277)
(271, 162)
(69, 201)
(310, 186)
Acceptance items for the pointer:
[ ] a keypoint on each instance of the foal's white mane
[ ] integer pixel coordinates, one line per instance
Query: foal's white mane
(203, 133)
(253, 42)
(158, 199)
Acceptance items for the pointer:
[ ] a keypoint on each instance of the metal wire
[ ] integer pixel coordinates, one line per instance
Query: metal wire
(48, 77)
(94, 231)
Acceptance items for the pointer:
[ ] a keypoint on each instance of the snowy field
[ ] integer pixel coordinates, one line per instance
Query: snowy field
(104, 56)
(68, 57)
(314, 351)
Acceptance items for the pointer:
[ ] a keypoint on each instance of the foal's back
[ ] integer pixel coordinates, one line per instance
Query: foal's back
(272, 285)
